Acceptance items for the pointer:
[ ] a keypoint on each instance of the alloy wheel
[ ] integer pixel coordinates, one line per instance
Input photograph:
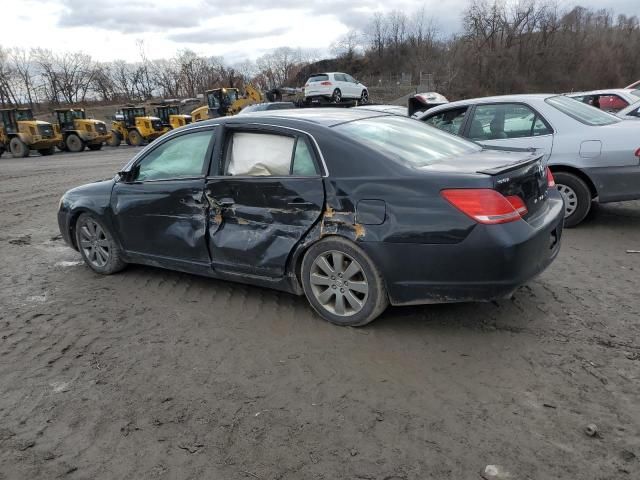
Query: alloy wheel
(339, 283)
(94, 243)
(570, 199)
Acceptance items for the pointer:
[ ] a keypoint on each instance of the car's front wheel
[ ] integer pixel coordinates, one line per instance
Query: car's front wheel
(576, 195)
(97, 246)
(364, 97)
(342, 283)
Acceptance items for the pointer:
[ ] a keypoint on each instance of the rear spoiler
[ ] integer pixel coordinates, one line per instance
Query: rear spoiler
(525, 162)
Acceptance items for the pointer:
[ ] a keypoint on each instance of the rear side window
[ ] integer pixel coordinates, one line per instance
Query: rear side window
(505, 121)
(340, 77)
(409, 141)
(450, 120)
(318, 78)
(582, 113)
(265, 154)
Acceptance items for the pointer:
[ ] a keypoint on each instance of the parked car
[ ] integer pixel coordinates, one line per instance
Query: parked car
(421, 102)
(438, 219)
(260, 107)
(612, 100)
(592, 154)
(632, 112)
(334, 87)
(390, 109)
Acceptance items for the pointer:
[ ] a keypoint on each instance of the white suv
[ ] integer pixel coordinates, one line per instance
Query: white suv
(334, 86)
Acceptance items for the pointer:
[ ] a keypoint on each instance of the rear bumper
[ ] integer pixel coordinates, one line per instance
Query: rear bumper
(491, 263)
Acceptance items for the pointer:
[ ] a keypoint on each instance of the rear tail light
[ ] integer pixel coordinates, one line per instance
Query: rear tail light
(325, 83)
(637, 153)
(485, 205)
(551, 182)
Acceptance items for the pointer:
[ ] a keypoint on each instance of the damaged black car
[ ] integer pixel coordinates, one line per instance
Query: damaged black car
(354, 209)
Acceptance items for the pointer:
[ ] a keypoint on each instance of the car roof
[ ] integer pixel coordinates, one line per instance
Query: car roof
(384, 108)
(328, 117)
(495, 99)
(605, 91)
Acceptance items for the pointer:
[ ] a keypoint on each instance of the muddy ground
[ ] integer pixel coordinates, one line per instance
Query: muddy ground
(155, 374)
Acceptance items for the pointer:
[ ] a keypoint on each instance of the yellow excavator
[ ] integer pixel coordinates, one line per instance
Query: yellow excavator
(20, 133)
(135, 127)
(171, 117)
(74, 131)
(226, 101)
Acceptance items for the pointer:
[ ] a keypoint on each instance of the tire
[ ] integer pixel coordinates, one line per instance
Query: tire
(97, 246)
(364, 97)
(115, 139)
(576, 195)
(18, 148)
(1, 150)
(336, 97)
(358, 306)
(95, 147)
(134, 138)
(62, 146)
(74, 143)
(45, 152)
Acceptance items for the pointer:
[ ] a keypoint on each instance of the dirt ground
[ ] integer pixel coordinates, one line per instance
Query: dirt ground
(156, 374)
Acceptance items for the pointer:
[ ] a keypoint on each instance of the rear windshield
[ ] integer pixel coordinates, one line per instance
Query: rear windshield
(318, 78)
(582, 112)
(635, 93)
(407, 140)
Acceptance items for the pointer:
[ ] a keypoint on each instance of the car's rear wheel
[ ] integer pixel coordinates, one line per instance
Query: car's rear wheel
(336, 97)
(342, 283)
(97, 246)
(364, 97)
(576, 195)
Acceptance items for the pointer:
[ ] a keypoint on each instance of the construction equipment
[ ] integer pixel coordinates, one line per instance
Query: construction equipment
(226, 101)
(74, 131)
(20, 133)
(171, 117)
(133, 126)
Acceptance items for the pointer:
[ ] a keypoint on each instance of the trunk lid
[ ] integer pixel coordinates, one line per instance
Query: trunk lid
(526, 178)
(520, 172)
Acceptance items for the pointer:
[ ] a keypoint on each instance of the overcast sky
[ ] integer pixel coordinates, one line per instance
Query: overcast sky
(237, 30)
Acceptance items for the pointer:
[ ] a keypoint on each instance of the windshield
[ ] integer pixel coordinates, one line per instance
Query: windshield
(173, 110)
(212, 100)
(581, 112)
(79, 114)
(408, 140)
(24, 115)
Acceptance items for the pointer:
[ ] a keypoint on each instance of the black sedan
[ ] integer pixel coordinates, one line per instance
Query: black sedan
(352, 208)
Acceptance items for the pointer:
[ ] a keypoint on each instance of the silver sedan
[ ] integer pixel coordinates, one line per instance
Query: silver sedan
(593, 155)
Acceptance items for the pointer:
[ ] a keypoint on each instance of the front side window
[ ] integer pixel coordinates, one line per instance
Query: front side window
(406, 140)
(504, 121)
(450, 120)
(582, 113)
(181, 157)
(265, 154)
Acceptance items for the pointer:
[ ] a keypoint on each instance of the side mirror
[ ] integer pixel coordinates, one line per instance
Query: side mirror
(128, 176)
